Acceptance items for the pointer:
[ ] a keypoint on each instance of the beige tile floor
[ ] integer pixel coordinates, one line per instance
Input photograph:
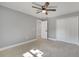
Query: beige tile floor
(50, 49)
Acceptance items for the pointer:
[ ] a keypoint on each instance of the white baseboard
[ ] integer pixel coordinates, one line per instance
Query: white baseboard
(51, 39)
(62, 41)
(11, 46)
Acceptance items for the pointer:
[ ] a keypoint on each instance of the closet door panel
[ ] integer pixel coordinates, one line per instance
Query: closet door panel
(67, 29)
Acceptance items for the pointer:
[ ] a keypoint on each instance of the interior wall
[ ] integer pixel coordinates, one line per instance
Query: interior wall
(78, 28)
(51, 28)
(15, 27)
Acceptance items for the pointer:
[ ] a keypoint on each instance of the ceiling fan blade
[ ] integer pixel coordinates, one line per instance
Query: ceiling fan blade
(46, 13)
(36, 4)
(46, 4)
(51, 9)
(38, 12)
(36, 7)
(52, 6)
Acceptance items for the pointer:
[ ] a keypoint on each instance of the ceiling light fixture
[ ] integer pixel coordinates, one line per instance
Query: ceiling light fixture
(43, 11)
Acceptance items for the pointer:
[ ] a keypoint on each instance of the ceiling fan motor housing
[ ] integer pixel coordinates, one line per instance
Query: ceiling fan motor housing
(43, 8)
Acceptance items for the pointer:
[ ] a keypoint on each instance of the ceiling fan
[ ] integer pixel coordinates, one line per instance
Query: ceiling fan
(44, 8)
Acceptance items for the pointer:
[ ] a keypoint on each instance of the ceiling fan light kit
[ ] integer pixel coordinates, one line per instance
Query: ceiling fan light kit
(43, 11)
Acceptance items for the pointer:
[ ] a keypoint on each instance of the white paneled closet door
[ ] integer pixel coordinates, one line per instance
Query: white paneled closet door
(41, 32)
(44, 29)
(67, 29)
(38, 29)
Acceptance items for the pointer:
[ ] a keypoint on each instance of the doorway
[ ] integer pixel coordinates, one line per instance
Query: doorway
(42, 29)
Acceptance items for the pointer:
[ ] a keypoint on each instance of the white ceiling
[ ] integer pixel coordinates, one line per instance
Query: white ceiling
(26, 7)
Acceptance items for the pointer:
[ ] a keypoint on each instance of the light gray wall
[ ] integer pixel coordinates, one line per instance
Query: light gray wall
(15, 27)
(78, 29)
(51, 28)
